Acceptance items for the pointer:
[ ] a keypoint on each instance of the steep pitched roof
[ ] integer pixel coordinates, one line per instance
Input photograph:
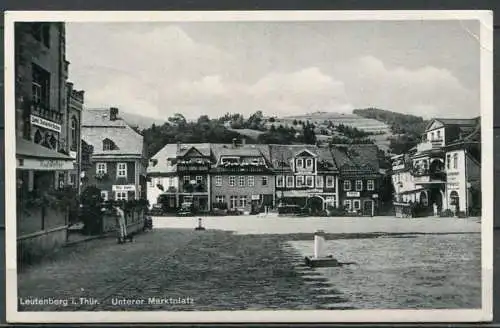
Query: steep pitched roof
(355, 159)
(96, 126)
(454, 122)
(161, 159)
(284, 153)
(202, 148)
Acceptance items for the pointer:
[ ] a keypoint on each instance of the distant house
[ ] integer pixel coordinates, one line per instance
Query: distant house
(118, 161)
(162, 177)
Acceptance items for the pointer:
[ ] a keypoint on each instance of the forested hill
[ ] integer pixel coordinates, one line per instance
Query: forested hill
(399, 123)
(407, 129)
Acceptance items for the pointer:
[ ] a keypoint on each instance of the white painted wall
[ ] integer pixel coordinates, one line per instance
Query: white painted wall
(152, 188)
(455, 178)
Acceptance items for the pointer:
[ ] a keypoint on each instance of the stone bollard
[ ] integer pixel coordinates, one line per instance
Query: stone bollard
(319, 244)
(200, 225)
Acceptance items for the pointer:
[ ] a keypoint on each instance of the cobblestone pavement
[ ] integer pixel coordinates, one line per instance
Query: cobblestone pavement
(211, 270)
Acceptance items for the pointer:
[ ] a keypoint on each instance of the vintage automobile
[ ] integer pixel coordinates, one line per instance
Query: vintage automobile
(186, 209)
(156, 210)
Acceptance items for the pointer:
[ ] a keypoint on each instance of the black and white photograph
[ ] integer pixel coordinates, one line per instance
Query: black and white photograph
(263, 166)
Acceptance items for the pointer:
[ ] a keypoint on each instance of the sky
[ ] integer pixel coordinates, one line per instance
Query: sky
(425, 68)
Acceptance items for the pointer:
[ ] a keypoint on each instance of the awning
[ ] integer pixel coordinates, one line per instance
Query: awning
(31, 156)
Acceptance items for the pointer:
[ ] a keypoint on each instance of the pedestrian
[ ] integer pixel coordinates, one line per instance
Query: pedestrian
(122, 226)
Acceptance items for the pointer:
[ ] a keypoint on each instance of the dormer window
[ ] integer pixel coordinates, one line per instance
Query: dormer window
(309, 163)
(108, 144)
(300, 163)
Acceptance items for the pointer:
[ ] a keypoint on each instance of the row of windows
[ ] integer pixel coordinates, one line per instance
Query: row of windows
(436, 137)
(370, 185)
(118, 195)
(243, 181)
(354, 204)
(121, 169)
(304, 181)
(234, 201)
(154, 182)
(305, 163)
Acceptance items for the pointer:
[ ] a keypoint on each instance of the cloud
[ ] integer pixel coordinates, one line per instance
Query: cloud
(162, 70)
(426, 91)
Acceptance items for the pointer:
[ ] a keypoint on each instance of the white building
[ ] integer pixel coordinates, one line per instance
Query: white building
(162, 172)
(439, 172)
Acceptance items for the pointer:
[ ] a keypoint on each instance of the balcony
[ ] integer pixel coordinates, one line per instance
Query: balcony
(242, 168)
(193, 166)
(190, 188)
(44, 112)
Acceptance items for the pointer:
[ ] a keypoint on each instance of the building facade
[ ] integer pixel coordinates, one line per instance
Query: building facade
(42, 123)
(162, 178)
(118, 161)
(241, 177)
(435, 174)
(305, 175)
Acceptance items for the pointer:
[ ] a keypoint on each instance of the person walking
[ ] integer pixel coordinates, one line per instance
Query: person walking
(122, 225)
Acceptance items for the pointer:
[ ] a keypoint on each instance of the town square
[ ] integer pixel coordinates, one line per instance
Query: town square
(215, 171)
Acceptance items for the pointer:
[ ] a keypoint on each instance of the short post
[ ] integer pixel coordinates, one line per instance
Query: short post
(319, 244)
(200, 225)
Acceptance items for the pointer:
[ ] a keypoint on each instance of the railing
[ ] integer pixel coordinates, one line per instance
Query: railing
(46, 113)
(432, 174)
(193, 167)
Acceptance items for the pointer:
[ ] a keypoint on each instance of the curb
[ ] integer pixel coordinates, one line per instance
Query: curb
(76, 242)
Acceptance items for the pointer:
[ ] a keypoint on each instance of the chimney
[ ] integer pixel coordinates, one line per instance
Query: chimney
(113, 113)
(235, 142)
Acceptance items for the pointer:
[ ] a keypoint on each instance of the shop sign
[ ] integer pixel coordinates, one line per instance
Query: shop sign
(255, 197)
(353, 194)
(453, 186)
(35, 120)
(375, 196)
(44, 164)
(123, 187)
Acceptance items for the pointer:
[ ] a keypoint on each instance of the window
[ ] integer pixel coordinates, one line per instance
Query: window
(104, 195)
(101, 168)
(199, 179)
(289, 181)
(243, 201)
(319, 181)
(370, 185)
(121, 195)
(279, 181)
(347, 204)
(218, 181)
(455, 161)
(40, 86)
(242, 181)
(309, 163)
(251, 181)
(72, 179)
(330, 182)
(151, 182)
(219, 199)
(356, 204)
(310, 181)
(347, 185)
(232, 181)
(264, 181)
(108, 144)
(300, 163)
(233, 201)
(300, 181)
(121, 170)
(74, 134)
(186, 178)
(359, 185)
(439, 135)
(170, 182)
(41, 33)
(448, 161)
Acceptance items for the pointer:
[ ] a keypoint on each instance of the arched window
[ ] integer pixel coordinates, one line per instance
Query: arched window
(108, 144)
(53, 142)
(455, 161)
(74, 134)
(38, 137)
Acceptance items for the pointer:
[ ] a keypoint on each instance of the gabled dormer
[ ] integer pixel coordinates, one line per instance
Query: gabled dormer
(305, 161)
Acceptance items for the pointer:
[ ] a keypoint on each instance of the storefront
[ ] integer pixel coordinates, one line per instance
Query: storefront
(40, 171)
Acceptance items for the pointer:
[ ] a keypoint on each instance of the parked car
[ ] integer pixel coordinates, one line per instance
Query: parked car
(186, 209)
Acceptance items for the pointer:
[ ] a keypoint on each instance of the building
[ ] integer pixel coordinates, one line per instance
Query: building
(241, 177)
(359, 178)
(162, 178)
(74, 102)
(118, 161)
(434, 173)
(305, 175)
(43, 133)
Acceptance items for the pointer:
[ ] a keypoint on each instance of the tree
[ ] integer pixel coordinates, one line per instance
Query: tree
(178, 119)
(295, 122)
(272, 119)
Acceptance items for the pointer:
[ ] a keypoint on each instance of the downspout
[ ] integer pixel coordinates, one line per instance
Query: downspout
(466, 184)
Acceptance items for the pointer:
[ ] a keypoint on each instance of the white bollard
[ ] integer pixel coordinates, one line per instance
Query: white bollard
(319, 244)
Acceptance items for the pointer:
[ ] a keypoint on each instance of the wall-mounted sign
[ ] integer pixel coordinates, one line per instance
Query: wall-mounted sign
(44, 164)
(353, 194)
(35, 120)
(123, 187)
(375, 196)
(255, 197)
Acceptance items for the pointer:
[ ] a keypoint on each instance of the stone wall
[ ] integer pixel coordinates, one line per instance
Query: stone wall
(36, 244)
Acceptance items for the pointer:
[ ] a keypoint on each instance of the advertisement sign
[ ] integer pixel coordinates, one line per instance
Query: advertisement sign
(255, 197)
(44, 164)
(35, 120)
(123, 188)
(353, 194)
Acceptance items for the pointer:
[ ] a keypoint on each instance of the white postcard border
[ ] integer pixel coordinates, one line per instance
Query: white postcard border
(486, 57)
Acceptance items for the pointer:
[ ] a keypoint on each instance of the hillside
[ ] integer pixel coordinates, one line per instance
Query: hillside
(398, 123)
(142, 122)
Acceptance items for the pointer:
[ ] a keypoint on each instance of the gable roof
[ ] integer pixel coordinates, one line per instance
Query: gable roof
(454, 122)
(161, 158)
(202, 148)
(96, 127)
